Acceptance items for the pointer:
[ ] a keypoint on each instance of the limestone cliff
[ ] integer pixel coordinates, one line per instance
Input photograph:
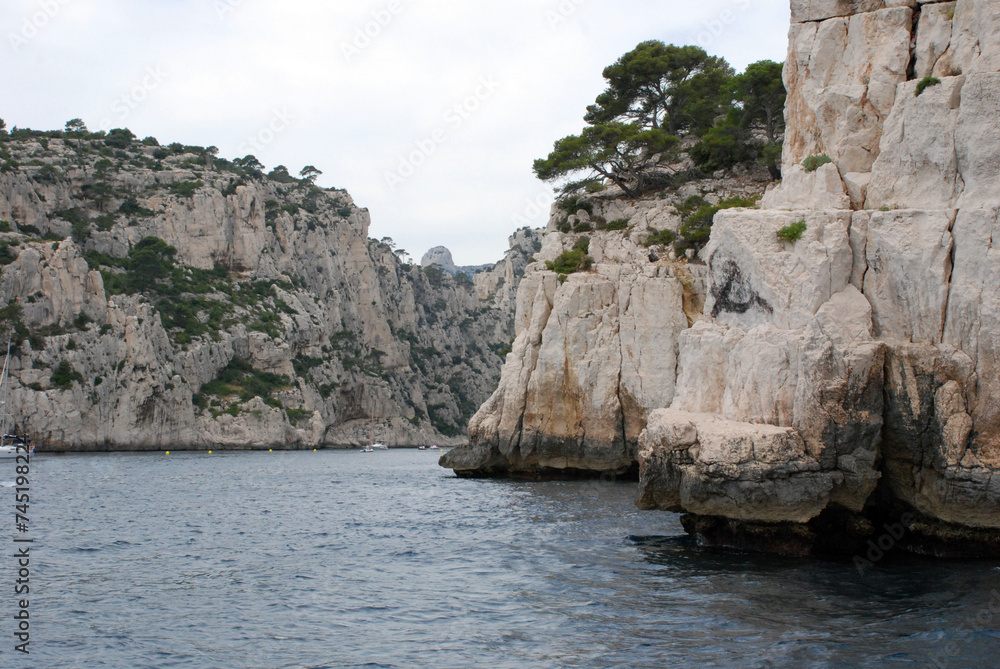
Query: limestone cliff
(161, 297)
(595, 351)
(832, 383)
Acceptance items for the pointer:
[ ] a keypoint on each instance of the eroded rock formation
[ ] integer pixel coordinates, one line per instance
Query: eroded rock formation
(596, 351)
(834, 383)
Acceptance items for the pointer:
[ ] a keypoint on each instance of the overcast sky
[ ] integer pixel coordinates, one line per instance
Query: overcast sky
(431, 120)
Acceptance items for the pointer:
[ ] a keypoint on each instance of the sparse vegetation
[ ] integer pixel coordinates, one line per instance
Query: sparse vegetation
(660, 238)
(792, 233)
(296, 415)
(615, 225)
(6, 257)
(130, 207)
(926, 83)
(574, 260)
(240, 380)
(185, 189)
(65, 375)
(697, 218)
(813, 163)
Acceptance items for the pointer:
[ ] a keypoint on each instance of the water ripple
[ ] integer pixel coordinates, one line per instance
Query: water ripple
(339, 559)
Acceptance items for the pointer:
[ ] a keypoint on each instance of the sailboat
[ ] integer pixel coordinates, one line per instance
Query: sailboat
(11, 445)
(372, 444)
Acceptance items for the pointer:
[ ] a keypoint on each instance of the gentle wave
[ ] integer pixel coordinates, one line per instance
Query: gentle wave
(332, 560)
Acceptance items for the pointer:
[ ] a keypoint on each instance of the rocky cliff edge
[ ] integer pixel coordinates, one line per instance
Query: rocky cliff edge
(835, 384)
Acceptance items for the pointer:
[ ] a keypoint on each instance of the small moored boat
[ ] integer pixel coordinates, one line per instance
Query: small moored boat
(11, 445)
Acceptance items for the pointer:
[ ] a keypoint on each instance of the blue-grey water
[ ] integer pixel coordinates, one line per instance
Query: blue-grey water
(345, 559)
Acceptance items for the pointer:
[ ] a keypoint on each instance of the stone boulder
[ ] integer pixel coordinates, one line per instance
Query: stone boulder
(702, 464)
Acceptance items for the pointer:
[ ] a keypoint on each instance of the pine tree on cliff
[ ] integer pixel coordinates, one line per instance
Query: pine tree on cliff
(675, 88)
(656, 94)
(619, 152)
(758, 101)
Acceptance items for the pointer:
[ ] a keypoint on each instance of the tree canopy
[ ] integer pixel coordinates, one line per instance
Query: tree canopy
(149, 261)
(76, 126)
(679, 89)
(658, 94)
(119, 138)
(616, 151)
(760, 96)
(753, 127)
(310, 173)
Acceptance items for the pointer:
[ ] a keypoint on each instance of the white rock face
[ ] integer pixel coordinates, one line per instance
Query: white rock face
(923, 333)
(973, 318)
(841, 75)
(976, 139)
(819, 10)
(594, 354)
(973, 47)
(789, 345)
(917, 167)
(821, 189)
(934, 33)
(757, 278)
(439, 255)
(909, 268)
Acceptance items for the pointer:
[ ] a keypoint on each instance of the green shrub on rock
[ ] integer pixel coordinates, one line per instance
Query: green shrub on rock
(65, 375)
(926, 83)
(792, 233)
(575, 260)
(813, 163)
(660, 237)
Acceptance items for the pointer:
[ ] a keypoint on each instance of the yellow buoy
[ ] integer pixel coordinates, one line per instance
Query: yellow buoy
(270, 450)
(210, 452)
(168, 452)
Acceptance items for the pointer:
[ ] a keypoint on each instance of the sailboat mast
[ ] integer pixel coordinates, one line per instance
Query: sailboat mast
(3, 402)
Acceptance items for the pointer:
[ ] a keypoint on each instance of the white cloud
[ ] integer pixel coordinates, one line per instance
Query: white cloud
(354, 117)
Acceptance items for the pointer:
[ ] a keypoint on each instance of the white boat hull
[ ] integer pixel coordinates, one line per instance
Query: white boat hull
(12, 452)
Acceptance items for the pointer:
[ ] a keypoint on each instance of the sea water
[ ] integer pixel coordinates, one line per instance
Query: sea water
(346, 559)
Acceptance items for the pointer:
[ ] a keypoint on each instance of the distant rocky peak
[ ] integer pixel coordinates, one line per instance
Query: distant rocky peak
(439, 255)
